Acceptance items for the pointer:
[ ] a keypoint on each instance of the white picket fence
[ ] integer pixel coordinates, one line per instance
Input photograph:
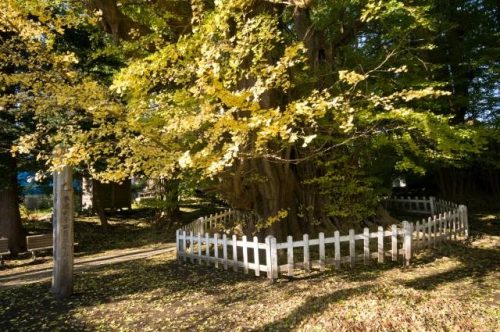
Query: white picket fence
(207, 224)
(195, 243)
(420, 205)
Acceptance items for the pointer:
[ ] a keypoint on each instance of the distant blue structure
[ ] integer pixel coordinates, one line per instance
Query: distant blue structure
(35, 194)
(28, 185)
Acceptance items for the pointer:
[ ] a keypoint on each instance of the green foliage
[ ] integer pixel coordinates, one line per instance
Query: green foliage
(352, 195)
(240, 82)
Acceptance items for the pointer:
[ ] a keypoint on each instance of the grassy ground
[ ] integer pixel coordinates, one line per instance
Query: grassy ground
(126, 230)
(455, 288)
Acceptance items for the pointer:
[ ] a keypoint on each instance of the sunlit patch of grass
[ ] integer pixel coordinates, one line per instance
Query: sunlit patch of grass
(189, 209)
(489, 217)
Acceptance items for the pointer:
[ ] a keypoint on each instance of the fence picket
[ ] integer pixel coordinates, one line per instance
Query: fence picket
(466, 221)
(268, 258)
(337, 249)
(445, 230)
(199, 248)
(207, 248)
(322, 251)
(256, 258)
(235, 253)
(274, 257)
(450, 217)
(380, 236)
(216, 250)
(245, 254)
(430, 231)
(366, 245)
(436, 229)
(441, 227)
(432, 235)
(352, 248)
(289, 254)
(407, 242)
(184, 245)
(307, 265)
(455, 217)
(224, 250)
(190, 246)
(417, 234)
(177, 243)
(394, 242)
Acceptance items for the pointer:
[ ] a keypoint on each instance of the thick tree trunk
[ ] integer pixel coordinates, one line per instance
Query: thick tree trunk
(169, 193)
(10, 219)
(177, 15)
(319, 51)
(98, 206)
(267, 188)
(115, 22)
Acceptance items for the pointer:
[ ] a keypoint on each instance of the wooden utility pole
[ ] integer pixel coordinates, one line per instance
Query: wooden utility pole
(62, 276)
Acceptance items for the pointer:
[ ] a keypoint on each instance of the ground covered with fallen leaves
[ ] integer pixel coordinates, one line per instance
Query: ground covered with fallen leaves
(454, 288)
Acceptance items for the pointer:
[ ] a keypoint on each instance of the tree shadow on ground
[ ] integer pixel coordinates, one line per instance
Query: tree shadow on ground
(314, 305)
(482, 224)
(32, 307)
(475, 263)
(166, 284)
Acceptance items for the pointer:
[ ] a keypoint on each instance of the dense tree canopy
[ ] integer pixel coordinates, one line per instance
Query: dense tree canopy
(300, 111)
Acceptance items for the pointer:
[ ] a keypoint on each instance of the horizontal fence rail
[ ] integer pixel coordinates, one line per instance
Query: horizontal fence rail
(196, 243)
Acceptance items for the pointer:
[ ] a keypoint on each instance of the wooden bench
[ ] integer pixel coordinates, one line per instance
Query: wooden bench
(41, 242)
(36, 243)
(4, 248)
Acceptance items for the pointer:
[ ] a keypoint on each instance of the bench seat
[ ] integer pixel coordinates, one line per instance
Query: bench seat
(41, 242)
(4, 248)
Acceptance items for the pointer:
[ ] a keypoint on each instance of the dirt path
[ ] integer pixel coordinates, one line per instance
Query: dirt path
(81, 264)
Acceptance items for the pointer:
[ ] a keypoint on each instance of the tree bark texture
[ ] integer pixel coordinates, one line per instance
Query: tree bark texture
(98, 206)
(10, 219)
(168, 193)
(63, 233)
(122, 27)
(267, 188)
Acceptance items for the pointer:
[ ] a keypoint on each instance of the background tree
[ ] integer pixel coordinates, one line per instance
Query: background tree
(44, 90)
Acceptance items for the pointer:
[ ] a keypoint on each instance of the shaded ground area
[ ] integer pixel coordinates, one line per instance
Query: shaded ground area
(43, 272)
(130, 235)
(126, 229)
(453, 288)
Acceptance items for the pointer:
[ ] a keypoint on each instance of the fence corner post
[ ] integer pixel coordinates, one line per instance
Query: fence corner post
(407, 241)
(465, 220)
(433, 205)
